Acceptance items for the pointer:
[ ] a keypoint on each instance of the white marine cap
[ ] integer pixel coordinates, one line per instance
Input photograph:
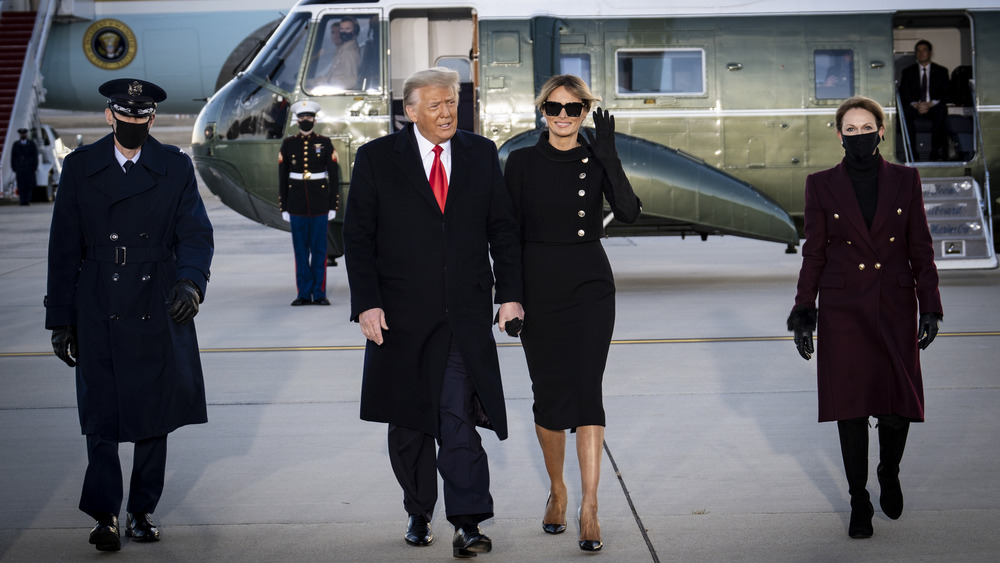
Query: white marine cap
(305, 107)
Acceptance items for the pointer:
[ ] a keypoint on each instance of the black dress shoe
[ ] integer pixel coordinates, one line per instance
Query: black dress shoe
(300, 302)
(470, 541)
(418, 531)
(141, 528)
(321, 301)
(105, 534)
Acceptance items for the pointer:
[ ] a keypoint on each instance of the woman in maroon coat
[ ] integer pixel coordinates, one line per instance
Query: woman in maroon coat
(868, 254)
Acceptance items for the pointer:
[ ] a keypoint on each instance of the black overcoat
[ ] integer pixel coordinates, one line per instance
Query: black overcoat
(138, 373)
(430, 272)
(871, 284)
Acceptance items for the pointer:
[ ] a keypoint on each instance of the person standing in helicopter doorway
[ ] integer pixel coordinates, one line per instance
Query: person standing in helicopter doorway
(308, 196)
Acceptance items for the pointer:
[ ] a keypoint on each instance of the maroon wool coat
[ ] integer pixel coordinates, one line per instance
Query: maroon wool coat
(870, 283)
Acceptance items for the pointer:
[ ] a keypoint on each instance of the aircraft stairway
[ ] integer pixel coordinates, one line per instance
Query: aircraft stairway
(956, 216)
(15, 35)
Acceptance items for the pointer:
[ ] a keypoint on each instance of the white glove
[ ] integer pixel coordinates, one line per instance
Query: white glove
(330, 216)
(286, 216)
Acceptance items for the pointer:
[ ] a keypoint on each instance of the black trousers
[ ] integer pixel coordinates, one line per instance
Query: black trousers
(461, 459)
(102, 484)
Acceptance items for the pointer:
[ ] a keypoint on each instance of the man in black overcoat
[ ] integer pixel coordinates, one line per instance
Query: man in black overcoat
(24, 162)
(418, 263)
(923, 90)
(129, 255)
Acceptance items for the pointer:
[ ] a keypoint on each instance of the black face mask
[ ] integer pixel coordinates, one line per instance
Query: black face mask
(305, 125)
(346, 36)
(131, 135)
(860, 147)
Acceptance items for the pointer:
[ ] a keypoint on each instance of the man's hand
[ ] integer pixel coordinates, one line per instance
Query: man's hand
(64, 344)
(183, 303)
(372, 324)
(508, 312)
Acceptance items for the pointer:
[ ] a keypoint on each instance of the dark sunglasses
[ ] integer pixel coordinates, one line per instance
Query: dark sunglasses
(553, 109)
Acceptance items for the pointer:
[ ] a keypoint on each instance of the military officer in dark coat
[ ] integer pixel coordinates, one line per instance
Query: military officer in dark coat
(129, 255)
(418, 262)
(308, 196)
(24, 162)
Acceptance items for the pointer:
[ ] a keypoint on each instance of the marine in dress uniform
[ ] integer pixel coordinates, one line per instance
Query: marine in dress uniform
(308, 196)
(24, 162)
(129, 254)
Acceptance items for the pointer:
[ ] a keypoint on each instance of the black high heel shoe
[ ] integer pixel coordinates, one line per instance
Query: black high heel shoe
(586, 545)
(552, 528)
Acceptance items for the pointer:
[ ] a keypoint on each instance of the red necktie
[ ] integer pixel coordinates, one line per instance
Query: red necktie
(923, 85)
(438, 179)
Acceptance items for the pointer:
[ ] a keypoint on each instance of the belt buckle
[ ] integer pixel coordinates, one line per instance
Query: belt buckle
(119, 255)
(306, 175)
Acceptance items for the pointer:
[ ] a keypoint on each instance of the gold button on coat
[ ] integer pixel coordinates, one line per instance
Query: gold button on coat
(899, 211)
(892, 239)
(861, 266)
(583, 175)
(836, 215)
(581, 193)
(114, 236)
(585, 160)
(878, 265)
(580, 233)
(581, 213)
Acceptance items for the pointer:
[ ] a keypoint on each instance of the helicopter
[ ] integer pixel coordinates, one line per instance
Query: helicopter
(721, 113)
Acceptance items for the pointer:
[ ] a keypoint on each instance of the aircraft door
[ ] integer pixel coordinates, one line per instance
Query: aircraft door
(421, 38)
(937, 125)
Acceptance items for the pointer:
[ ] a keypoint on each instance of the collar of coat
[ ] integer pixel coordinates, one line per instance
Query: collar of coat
(890, 182)
(412, 166)
(102, 166)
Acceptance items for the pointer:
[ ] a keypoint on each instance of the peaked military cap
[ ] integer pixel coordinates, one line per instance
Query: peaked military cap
(305, 107)
(22, 131)
(130, 96)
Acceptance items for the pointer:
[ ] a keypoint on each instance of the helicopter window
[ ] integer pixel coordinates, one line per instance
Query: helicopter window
(661, 71)
(834, 70)
(280, 61)
(252, 112)
(575, 64)
(345, 56)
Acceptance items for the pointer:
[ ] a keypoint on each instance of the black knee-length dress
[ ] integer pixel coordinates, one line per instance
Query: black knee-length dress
(569, 289)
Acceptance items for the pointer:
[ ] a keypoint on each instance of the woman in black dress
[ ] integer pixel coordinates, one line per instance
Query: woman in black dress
(558, 187)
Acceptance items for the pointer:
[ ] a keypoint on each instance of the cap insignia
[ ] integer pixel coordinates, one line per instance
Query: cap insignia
(135, 88)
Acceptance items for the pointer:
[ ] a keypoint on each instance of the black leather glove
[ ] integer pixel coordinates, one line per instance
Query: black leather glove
(64, 344)
(927, 329)
(603, 142)
(802, 323)
(184, 301)
(804, 343)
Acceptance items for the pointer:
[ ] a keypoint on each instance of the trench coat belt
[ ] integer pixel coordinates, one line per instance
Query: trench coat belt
(121, 255)
(307, 175)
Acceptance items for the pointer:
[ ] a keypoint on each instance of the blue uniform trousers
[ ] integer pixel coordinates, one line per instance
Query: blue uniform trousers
(461, 459)
(309, 243)
(25, 185)
(102, 484)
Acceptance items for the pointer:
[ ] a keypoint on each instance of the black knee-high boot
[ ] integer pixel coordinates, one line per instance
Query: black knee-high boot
(892, 432)
(854, 447)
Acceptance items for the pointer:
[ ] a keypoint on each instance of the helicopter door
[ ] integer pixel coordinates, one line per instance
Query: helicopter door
(945, 131)
(419, 39)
